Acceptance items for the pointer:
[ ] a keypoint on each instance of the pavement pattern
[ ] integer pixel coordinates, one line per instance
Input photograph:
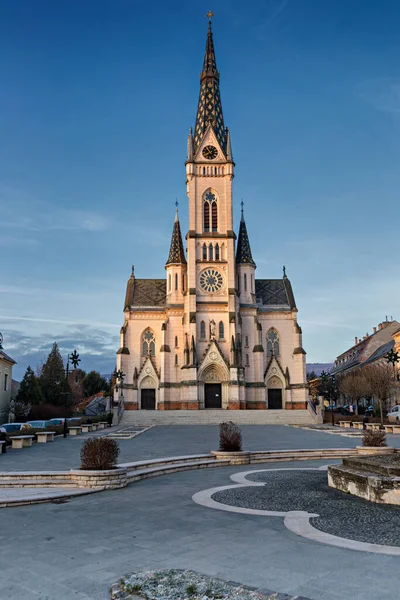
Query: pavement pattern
(339, 514)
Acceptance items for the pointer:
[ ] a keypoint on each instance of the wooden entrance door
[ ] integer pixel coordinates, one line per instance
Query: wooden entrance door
(212, 395)
(274, 399)
(148, 399)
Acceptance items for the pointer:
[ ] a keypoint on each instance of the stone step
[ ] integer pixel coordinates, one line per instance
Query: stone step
(53, 475)
(214, 417)
(36, 483)
(136, 475)
(158, 462)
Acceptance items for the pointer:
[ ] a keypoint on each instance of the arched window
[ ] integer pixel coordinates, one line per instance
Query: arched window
(169, 283)
(272, 343)
(214, 215)
(210, 252)
(251, 286)
(221, 330)
(204, 252)
(183, 283)
(247, 341)
(176, 360)
(176, 341)
(217, 252)
(247, 360)
(238, 283)
(148, 343)
(203, 330)
(210, 211)
(176, 281)
(245, 282)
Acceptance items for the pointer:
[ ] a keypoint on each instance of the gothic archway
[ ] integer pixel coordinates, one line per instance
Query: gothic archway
(275, 393)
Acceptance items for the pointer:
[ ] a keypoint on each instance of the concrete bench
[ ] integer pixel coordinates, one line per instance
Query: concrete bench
(43, 437)
(94, 427)
(102, 425)
(345, 424)
(358, 425)
(21, 441)
(87, 428)
(373, 426)
(75, 430)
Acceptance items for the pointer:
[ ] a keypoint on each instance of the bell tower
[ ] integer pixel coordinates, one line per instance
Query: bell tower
(210, 239)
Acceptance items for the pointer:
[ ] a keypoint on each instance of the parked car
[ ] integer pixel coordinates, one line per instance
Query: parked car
(57, 421)
(38, 424)
(394, 414)
(9, 427)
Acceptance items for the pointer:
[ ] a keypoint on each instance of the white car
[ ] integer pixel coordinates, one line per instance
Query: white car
(394, 414)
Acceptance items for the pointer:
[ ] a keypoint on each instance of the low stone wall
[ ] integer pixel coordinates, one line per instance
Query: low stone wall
(100, 480)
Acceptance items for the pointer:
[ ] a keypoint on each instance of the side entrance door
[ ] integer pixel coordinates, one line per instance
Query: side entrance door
(148, 399)
(274, 399)
(212, 395)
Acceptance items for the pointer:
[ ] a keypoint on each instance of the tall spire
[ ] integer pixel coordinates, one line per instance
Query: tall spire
(176, 252)
(243, 252)
(209, 110)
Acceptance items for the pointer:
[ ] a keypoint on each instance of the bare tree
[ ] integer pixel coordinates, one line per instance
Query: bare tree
(354, 385)
(380, 382)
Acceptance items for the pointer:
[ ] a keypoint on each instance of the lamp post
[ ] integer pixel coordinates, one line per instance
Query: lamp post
(75, 360)
(393, 358)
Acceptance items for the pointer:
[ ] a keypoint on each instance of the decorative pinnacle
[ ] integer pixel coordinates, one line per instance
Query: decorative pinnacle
(242, 205)
(210, 15)
(176, 210)
(284, 271)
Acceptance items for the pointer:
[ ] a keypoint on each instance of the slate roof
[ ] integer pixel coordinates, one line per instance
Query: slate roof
(270, 293)
(176, 253)
(243, 252)
(7, 358)
(275, 292)
(380, 352)
(209, 110)
(148, 292)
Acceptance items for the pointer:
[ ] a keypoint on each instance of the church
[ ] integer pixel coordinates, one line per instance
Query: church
(210, 334)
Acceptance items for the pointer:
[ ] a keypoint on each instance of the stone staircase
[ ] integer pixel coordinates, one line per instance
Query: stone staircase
(145, 418)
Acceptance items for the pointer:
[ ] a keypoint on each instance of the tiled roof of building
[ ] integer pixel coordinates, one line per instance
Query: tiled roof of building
(380, 352)
(176, 252)
(243, 251)
(209, 109)
(275, 292)
(149, 292)
(7, 358)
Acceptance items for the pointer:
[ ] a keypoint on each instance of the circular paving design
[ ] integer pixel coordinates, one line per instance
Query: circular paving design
(339, 514)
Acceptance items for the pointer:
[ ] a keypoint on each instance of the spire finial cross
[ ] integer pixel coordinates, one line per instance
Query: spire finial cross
(210, 15)
(176, 203)
(284, 271)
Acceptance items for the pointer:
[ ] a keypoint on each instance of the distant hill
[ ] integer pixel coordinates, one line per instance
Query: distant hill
(319, 367)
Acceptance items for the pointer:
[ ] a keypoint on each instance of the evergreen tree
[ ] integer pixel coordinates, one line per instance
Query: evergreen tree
(52, 378)
(29, 392)
(93, 384)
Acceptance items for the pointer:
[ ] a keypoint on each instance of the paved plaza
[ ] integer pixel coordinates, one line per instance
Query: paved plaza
(78, 548)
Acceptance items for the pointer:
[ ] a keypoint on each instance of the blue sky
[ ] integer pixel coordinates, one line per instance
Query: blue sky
(96, 101)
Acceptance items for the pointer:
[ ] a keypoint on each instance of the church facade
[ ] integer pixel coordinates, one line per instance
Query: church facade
(210, 335)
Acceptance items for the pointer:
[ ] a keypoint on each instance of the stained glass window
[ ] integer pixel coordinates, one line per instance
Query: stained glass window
(210, 212)
(210, 252)
(148, 343)
(202, 330)
(272, 343)
(204, 252)
(221, 330)
(217, 252)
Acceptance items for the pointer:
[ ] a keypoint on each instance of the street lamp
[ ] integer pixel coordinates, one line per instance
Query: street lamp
(75, 360)
(393, 357)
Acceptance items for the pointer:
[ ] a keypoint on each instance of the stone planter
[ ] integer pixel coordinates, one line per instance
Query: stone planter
(236, 458)
(111, 479)
(374, 450)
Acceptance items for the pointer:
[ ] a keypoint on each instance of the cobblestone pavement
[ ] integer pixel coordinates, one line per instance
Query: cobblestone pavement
(78, 549)
(172, 440)
(339, 514)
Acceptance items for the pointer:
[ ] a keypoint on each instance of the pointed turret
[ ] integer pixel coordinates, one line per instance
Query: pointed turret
(243, 252)
(209, 111)
(176, 252)
(176, 265)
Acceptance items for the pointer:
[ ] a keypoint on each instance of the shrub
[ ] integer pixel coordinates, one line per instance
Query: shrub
(230, 437)
(374, 438)
(99, 453)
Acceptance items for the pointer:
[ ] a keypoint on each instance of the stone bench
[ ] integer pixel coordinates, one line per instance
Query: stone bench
(392, 428)
(75, 430)
(21, 441)
(94, 427)
(373, 426)
(87, 428)
(358, 425)
(345, 424)
(102, 425)
(43, 437)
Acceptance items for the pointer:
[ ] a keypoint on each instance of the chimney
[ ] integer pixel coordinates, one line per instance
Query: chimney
(355, 340)
(380, 326)
(374, 329)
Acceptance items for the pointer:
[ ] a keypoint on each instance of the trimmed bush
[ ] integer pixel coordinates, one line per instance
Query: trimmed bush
(99, 453)
(374, 438)
(230, 437)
